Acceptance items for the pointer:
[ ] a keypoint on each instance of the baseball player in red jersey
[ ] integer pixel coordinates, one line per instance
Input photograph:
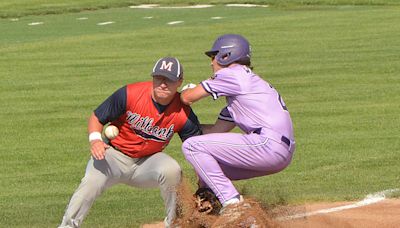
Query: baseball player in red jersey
(147, 115)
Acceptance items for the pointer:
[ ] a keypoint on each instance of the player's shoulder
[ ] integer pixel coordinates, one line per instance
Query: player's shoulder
(224, 71)
(233, 71)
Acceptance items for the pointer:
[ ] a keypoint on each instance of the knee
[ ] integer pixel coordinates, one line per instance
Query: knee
(194, 148)
(187, 145)
(174, 172)
(170, 173)
(188, 149)
(91, 186)
(191, 146)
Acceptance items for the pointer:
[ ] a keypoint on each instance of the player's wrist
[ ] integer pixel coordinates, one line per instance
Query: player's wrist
(95, 136)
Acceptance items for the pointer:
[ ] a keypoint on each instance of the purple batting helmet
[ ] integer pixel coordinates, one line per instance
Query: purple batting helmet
(230, 48)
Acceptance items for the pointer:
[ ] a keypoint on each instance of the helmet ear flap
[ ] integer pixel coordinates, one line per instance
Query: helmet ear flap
(223, 59)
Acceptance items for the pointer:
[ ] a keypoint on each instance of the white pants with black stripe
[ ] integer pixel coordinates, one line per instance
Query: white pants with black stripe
(157, 170)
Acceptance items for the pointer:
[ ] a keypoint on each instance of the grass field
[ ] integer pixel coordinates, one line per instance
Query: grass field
(336, 67)
(17, 8)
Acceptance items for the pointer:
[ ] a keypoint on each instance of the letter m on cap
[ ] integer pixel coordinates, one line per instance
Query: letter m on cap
(166, 66)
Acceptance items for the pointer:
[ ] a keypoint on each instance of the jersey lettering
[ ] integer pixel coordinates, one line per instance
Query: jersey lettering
(282, 103)
(280, 100)
(144, 127)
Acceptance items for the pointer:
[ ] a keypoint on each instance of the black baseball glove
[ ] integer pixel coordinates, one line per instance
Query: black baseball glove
(206, 201)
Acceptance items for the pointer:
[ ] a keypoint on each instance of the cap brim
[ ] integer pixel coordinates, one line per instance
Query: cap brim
(211, 53)
(169, 76)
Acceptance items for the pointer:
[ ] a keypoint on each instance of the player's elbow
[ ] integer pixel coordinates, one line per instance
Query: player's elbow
(185, 99)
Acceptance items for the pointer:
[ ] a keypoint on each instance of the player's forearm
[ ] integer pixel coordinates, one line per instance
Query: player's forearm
(94, 124)
(188, 97)
(207, 128)
(97, 146)
(212, 128)
(191, 95)
(185, 98)
(219, 127)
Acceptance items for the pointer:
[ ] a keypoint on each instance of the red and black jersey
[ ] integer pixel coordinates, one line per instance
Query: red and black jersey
(145, 126)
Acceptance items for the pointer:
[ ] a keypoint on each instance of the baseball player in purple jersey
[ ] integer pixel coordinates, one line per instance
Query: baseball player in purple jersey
(267, 143)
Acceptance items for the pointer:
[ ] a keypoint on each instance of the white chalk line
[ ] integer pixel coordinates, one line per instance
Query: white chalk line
(153, 6)
(144, 6)
(368, 200)
(186, 7)
(246, 5)
(174, 22)
(36, 23)
(106, 23)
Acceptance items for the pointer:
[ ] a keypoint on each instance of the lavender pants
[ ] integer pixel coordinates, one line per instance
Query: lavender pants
(221, 157)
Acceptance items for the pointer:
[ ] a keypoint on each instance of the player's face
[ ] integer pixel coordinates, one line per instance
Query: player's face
(214, 65)
(164, 89)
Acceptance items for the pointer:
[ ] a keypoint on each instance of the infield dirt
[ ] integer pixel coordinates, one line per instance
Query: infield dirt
(250, 213)
(246, 214)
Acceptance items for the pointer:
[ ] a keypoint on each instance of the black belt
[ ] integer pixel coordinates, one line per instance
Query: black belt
(283, 138)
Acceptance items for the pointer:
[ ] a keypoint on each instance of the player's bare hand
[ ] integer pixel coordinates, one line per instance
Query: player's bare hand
(98, 149)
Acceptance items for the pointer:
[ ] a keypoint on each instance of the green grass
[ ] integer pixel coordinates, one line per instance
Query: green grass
(336, 67)
(18, 8)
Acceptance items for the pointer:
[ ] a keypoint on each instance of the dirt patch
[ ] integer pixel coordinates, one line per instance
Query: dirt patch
(250, 213)
(246, 214)
(381, 214)
(153, 225)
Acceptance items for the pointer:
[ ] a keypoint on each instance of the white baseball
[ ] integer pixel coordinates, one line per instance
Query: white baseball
(188, 86)
(111, 131)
